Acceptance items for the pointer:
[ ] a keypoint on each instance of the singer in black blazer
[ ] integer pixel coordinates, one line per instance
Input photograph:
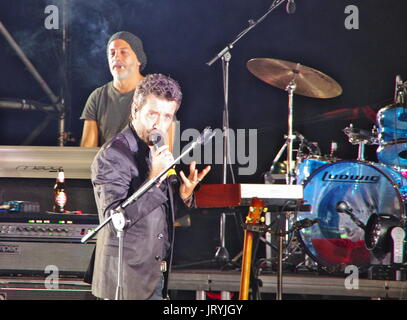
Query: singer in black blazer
(117, 171)
(120, 167)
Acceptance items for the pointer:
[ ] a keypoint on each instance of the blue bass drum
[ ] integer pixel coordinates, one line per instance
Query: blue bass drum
(368, 188)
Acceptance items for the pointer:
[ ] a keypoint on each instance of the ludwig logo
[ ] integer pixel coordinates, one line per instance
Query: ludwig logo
(350, 178)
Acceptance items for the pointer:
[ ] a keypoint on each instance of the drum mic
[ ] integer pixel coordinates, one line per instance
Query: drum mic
(345, 207)
(314, 149)
(305, 223)
(399, 90)
(156, 140)
(290, 7)
(301, 224)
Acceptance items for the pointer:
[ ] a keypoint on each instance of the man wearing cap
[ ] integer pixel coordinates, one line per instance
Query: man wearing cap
(107, 109)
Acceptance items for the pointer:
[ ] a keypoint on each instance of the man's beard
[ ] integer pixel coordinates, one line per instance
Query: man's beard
(121, 75)
(128, 71)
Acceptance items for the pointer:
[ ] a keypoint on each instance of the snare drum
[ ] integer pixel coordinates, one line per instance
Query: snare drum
(369, 188)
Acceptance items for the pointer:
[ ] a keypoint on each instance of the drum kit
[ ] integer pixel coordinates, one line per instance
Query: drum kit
(367, 188)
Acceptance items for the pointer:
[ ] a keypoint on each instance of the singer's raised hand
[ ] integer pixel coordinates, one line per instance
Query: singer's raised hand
(189, 183)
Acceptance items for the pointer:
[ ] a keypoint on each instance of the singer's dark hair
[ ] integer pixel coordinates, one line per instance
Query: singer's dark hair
(160, 86)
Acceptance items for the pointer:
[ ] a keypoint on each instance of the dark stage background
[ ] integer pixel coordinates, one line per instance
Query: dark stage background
(180, 36)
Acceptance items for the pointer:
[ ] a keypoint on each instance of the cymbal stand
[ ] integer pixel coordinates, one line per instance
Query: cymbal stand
(290, 137)
(278, 156)
(292, 85)
(290, 180)
(361, 151)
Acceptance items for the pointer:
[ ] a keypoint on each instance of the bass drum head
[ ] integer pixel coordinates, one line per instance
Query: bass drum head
(368, 188)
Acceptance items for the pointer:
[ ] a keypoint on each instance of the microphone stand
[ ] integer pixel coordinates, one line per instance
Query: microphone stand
(118, 217)
(252, 24)
(222, 253)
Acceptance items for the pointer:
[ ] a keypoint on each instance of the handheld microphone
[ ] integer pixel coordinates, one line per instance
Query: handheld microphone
(156, 140)
(290, 7)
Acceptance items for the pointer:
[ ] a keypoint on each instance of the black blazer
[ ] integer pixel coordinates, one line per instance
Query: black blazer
(118, 170)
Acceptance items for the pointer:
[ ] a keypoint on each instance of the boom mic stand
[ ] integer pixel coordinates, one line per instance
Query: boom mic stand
(222, 253)
(118, 217)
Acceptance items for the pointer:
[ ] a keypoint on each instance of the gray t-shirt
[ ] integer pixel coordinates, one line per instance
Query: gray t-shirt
(110, 109)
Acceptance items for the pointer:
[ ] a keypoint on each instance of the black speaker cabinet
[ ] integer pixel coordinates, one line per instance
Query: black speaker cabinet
(35, 258)
(40, 288)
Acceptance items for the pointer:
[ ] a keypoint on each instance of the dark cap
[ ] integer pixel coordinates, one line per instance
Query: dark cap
(135, 43)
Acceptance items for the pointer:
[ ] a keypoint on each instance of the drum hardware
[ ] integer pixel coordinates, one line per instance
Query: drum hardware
(290, 89)
(385, 233)
(388, 272)
(361, 138)
(400, 91)
(293, 78)
(287, 216)
(333, 150)
(282, 167)
(282, 233)
(384, 237)
(312, 147)
(277, 178)
(344, 207)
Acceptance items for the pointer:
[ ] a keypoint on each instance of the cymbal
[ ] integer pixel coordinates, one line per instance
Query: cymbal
(309, 82)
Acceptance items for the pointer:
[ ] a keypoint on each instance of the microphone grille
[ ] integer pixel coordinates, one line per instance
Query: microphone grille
(155, 138)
